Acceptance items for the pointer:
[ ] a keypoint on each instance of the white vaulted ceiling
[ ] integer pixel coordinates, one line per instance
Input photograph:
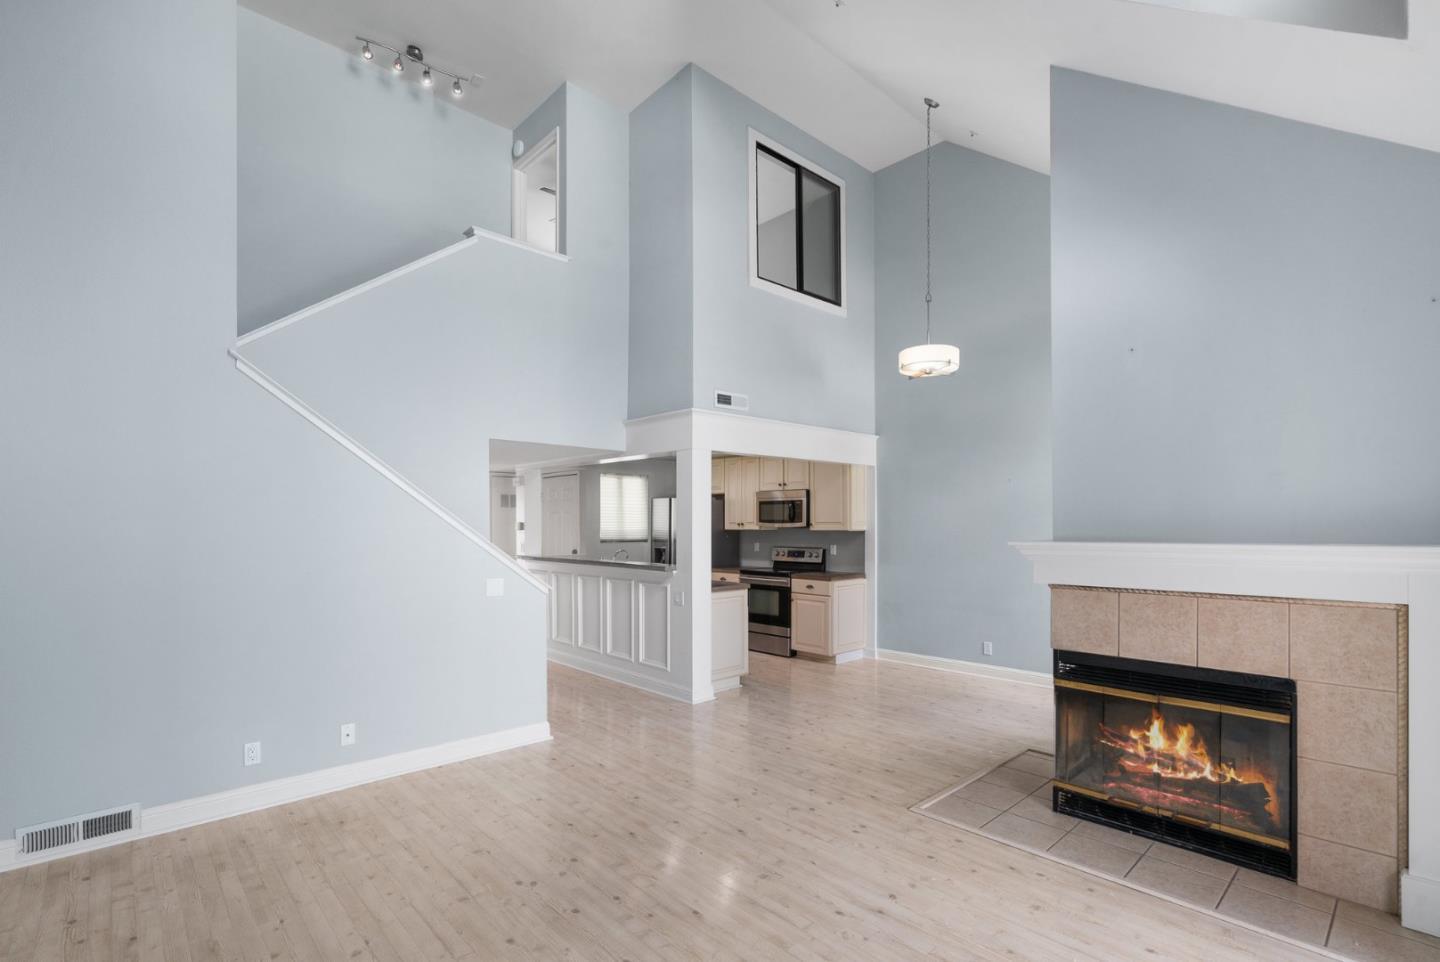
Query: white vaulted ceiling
(853, 75)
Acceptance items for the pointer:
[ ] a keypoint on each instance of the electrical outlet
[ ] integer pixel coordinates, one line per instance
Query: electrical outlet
(494, 587)
(252, 753)
(679, 599)
(988, 648)
(834, 549)
(757, 547)
(347, 734)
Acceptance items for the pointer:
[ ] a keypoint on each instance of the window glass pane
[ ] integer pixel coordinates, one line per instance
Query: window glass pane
(624, 507)
(820, 224)
(775, 219)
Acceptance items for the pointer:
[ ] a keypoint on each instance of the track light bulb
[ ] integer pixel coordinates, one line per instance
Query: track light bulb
(426, 79)
(456, 90)
(367, 53)
(399, 65)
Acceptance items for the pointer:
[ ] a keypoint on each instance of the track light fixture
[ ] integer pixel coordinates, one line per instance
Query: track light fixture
(427, 71)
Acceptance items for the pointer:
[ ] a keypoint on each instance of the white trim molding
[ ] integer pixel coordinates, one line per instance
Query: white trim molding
(1398, 575)
(746, 434)
(252, 798)
(1038, 679)
(390, 474)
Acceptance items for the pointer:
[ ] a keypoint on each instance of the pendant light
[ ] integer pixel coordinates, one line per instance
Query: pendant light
(928, 359)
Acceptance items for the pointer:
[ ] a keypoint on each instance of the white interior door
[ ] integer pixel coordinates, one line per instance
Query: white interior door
(502, 512)
(560, 525)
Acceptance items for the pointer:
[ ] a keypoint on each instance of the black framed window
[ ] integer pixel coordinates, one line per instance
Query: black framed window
(797, 227)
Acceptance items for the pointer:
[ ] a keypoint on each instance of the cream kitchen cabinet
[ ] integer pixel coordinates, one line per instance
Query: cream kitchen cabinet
(827, 617)
(717, 475)
(742, 482)
(777, 474)
(839, 497)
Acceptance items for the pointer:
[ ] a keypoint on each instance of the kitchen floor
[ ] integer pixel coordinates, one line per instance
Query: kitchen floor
(772, 823)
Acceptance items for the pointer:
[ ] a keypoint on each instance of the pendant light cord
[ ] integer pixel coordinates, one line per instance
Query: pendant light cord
(929, 106)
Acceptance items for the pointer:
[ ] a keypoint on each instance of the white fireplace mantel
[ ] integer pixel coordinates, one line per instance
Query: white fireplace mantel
(1404, 574)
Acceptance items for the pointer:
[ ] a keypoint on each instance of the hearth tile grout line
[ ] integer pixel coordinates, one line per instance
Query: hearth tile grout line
(1323, 948)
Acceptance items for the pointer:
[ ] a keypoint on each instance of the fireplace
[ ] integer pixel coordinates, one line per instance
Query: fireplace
(1195, 757)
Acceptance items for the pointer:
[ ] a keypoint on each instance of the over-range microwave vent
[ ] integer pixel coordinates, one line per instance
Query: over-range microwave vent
(73, 831)
(732, 401)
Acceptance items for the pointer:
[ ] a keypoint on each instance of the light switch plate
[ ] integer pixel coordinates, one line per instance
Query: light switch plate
(679, 599)
(494, 587)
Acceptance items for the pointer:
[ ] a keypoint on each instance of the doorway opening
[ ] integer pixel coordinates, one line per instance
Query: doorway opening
(535, 195)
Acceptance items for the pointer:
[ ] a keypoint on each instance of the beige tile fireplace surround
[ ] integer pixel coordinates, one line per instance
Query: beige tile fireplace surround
(1356, 626)
(1347, 660)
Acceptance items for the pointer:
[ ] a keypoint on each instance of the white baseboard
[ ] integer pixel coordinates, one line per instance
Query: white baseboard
(1038, 678)
(1420, 903)
(845, 657)
(252, 798)
(565, 655)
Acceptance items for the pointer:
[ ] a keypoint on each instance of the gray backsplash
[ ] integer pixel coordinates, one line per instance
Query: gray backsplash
(849, 557)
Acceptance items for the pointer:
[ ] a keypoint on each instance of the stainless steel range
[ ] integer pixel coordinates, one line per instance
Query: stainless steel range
(770, 596)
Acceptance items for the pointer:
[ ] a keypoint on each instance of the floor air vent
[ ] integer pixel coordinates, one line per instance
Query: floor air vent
(735, 402)
(72, 831)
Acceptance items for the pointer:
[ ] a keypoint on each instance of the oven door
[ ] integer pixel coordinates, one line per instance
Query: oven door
(769, 603)
(781, 509)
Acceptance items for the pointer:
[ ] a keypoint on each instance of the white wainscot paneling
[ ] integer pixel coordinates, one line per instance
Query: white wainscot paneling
(620, 618)
(615, 621)
(588, 612)
(655, 625)
(562, 608)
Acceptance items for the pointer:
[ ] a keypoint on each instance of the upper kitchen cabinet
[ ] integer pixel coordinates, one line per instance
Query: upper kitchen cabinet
(839, 497)
(742, 483)
(717, 475)
(777, 474)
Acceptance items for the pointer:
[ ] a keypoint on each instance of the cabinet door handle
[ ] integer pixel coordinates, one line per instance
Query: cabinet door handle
(810, 587)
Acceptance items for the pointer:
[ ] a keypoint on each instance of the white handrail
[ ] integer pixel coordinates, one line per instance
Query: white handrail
(471, 235)
(385, 470)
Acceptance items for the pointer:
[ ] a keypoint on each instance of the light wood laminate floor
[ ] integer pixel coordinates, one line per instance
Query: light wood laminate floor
(771, 824)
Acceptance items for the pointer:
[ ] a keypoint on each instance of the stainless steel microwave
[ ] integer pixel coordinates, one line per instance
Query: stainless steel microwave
(783, 509)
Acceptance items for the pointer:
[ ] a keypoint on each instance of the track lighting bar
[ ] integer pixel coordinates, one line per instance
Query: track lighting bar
(414, 54)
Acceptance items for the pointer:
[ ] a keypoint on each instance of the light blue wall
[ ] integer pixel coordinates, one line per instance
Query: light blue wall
(1246, 325)
(662, 264)
(696, 315)
(346, 171)
(496, 341)
(797, 363)
(188, 565)
(964, 460)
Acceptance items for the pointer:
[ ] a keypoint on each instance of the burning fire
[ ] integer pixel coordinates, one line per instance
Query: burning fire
(1177, 754)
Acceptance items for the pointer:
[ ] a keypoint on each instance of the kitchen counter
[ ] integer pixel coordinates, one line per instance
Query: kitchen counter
(727, 586)
(605, 562)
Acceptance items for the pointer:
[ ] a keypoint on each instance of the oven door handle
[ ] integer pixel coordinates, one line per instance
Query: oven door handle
(764, 580)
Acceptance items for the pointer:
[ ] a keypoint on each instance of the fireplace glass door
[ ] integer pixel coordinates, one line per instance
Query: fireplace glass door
(1205, 761)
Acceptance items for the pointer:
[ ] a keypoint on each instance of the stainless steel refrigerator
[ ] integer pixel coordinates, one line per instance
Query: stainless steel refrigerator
(662, 531)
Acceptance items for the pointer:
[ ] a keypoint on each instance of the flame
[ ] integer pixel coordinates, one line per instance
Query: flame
(1177, 752)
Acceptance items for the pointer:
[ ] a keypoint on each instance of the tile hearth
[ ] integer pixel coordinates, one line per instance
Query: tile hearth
(1010, 803)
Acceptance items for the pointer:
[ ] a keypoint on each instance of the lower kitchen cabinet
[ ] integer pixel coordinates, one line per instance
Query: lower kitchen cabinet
(827, 617)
